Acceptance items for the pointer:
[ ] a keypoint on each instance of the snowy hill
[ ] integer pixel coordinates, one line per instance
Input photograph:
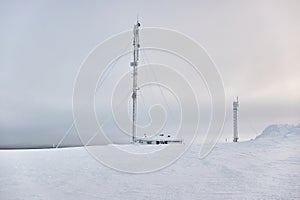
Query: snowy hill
(265, 168)
(282, 130)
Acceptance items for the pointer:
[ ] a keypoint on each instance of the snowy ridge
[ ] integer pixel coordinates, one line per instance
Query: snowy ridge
(264, 168)
(279, 131)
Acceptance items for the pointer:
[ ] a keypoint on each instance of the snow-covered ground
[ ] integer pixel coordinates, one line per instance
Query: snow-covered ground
(267, 167)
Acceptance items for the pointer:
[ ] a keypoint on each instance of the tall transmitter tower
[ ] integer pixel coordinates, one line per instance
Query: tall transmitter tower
(134, 64)
(235, 115)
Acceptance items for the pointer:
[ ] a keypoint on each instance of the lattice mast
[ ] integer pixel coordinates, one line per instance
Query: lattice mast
(235, 120)
(134, 64)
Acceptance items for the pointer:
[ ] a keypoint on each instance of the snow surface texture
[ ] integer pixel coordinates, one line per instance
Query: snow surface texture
(267, 167)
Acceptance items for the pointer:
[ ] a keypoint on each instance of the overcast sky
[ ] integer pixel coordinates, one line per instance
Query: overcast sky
(255, 45)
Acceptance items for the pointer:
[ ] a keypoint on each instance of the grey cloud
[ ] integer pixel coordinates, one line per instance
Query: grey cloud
(255, 45)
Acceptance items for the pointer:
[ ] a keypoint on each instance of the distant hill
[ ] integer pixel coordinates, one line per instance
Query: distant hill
(280, 130)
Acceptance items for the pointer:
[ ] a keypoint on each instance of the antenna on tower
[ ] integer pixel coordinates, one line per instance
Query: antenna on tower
(235, 119)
